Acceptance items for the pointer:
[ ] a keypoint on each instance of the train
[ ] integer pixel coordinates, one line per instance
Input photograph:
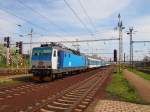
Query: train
(51, 61)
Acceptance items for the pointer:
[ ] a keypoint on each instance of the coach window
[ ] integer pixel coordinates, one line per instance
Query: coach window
(54, 53)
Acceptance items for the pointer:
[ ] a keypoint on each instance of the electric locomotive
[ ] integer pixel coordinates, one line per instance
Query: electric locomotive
(52, 60)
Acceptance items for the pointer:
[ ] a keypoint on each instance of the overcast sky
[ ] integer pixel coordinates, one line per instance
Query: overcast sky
(52, 20)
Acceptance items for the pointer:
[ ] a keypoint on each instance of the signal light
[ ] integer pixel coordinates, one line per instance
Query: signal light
(19, 44)
(20, 47)
(5, 45)
(7, 40)
(17, 51)
(115, 55)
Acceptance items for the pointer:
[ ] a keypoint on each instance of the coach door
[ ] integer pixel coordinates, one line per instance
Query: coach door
(54, 58)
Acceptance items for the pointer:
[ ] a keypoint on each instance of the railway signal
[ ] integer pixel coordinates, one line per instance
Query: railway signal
(7, 45)
(7, 40)
(17, 51)
(19, 45)
(115, 55)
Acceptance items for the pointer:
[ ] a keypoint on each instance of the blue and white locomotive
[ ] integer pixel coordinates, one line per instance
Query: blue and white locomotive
(50, 61)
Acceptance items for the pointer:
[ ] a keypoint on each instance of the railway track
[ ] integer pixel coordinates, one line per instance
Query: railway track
(74, 99)
(21, 89)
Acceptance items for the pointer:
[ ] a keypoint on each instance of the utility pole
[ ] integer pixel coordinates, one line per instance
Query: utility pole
(130, 32)
(120, 28)
(31, 44)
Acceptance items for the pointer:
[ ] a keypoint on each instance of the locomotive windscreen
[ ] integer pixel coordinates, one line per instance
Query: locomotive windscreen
(41, 53)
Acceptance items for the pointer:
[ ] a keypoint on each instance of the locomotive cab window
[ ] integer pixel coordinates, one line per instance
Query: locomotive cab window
(54, 54)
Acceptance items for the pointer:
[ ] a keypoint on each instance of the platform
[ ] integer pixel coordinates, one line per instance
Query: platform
(119, 106)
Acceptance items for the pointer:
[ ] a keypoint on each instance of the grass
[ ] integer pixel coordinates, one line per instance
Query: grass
(120, 88)
(8, 82)
(15, 80)
(141, 74)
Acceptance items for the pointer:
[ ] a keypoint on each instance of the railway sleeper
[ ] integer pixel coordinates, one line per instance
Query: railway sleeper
(57, 104)
(56, 107)
(60, 103)
(69, 98)
(79, 91)
(85, 102)
(44, 110)
(74, 96)
(87, 99)
(91, 94)
(78, 110)
(82, 106)
(66, 101)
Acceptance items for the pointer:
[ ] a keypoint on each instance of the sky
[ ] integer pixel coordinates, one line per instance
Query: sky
(53, 20)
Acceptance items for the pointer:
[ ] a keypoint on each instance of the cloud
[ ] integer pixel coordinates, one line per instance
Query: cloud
(142, 25)
(8, 23)
(59, 13)
(99, 9)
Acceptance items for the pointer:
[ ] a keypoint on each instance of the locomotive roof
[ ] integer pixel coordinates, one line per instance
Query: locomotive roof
(61, 47)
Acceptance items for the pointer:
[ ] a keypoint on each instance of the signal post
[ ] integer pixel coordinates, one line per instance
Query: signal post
(19, 51)
(7, 45)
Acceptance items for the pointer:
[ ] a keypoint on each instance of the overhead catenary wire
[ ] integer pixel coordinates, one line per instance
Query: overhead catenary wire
(72, 41)
(80, 20)
(21, 18)
(29, 22)
(88, 17)
(43, 16)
